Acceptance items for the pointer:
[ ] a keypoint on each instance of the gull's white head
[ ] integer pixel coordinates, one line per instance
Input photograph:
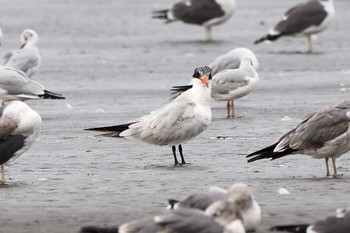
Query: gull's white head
(29, 38)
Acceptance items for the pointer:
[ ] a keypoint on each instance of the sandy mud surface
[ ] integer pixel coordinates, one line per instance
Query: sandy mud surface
(114, 63)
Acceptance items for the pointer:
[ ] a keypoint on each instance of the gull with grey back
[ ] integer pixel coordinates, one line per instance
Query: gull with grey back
(323, 134)
(206, 13)
(182, 120)
(19, 128)
(27, 58)
(303, 19)
(15, 85)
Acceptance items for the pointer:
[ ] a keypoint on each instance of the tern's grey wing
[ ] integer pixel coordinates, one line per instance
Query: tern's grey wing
(16, 82)
(187, 221)
(312, 133)
(301, 17)
(228, 80)
(197, 11)
(168, 125)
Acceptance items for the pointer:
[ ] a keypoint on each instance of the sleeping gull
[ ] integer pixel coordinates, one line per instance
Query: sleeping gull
(339, 222)
(231, 82)
(303, 20)
(20, 127)
(183, 119)
(15, 85)
(220, 217)
(27, 58)
(240, 194)
(206, 13)
(323, 134)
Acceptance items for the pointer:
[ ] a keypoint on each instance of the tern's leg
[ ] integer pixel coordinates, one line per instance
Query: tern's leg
(328, 174)
(174, 153)
(3, 180)
(182, 156)
(334, 168)
(310, 43)
(208, 36)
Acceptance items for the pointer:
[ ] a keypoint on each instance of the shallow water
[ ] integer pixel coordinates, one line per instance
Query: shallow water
(114, 63)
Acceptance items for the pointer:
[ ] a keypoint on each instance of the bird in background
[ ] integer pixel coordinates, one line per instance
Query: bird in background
(27, 58)
(304, 19)
(15, 85)
(234, 76)
(323, 134)
(240, 194)
(220, 217)
(205, 13)
(339, 222)
(20, 127)
(1, 36)
(182, 120)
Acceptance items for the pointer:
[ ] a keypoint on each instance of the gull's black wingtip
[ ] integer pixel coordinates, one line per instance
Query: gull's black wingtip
(95, 229)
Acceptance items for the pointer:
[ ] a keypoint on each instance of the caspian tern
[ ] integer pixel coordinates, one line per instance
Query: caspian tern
(323, 134)
(206, 13)
(183, 119)
(303, 20)
(20, 127)
(27, 58)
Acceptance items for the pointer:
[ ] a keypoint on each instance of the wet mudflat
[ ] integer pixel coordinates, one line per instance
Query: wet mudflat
(114, 63)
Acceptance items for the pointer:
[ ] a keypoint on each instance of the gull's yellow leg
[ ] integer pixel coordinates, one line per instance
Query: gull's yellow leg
(208, 36)
(3, 180)
(310, 43)
(328, 174)
(334, 168)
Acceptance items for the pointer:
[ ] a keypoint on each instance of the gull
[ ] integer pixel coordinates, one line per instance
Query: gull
(240, 194)
(303, 20)
(337, 223)
(206, 13)
(220, 217)
(232, 84)
(228, 83)
(15, 85)
(27, 58)
(323, 134)
(1, 36)
(19, 128)
(183, 119)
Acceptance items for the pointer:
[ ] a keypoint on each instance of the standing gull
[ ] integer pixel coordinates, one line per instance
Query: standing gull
(339, 222)
(323, 134)
(27, 58)
(303, 20)
(235, 77)
(206, 13)
(15, 85)
(19, 128)
(185, 118)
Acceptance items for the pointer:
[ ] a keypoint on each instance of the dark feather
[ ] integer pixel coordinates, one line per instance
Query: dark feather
(291, 228)
(94, 229)
(9, 146)
(51, 95)
(178, 90)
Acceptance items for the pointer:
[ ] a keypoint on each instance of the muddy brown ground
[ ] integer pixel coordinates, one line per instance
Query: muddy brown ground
(114, 63)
